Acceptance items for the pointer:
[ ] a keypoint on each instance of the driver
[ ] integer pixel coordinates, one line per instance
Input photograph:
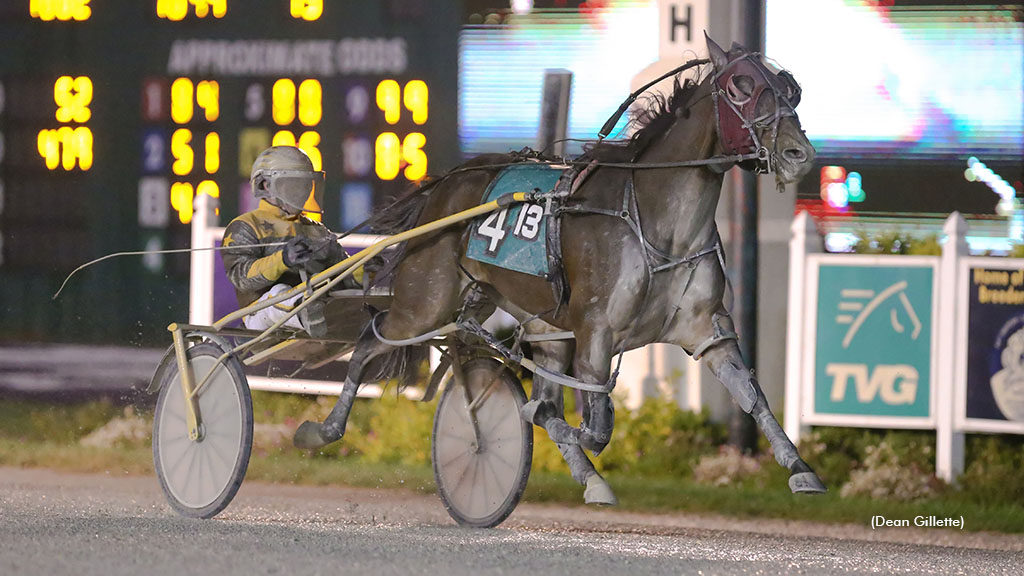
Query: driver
(258, 265)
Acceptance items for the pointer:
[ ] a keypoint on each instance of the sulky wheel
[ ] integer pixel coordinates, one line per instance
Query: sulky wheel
(482, 449)
(201, 477)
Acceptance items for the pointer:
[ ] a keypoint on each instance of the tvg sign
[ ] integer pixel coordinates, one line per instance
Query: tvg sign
(873, 340)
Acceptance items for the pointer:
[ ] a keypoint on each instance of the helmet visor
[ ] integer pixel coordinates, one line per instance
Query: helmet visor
(300, 190)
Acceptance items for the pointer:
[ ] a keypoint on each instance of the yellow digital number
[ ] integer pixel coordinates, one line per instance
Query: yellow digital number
(73, 97)
(389, 99)
(310, 98)
(181, 149)
(63, 10)
(181, 201)
(66, 147)
(309, 143)
(181, 100)
(204, 7)
(81, 142)
(310, 102)
(185, 156)
(386, 151)
(412, 152)
(283, 102)
(183, 197)
(415, 98)
(208, 98)
(49, 148)
(390, 152)
(212, 153)
(176, 10)
(208, 187)
(283, 138)
(307, 9)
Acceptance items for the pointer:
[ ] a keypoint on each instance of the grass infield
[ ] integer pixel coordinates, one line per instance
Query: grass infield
(49, 436)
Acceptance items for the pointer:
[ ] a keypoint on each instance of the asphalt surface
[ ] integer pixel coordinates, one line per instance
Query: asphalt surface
(76, 524)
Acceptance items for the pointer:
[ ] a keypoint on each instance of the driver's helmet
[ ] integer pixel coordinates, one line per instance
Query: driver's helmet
(284, 176)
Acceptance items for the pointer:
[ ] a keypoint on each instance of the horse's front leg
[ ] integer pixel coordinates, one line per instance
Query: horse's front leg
(546, 409)
(727, 364)
(592, 364)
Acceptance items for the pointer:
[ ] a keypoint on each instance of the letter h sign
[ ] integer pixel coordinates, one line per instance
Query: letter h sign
(682, 25)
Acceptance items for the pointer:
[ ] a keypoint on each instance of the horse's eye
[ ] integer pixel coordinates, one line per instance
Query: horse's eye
(793, 97)
(739, 88)
(791, 90)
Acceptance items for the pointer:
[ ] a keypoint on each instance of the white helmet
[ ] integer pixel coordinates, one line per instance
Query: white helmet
(284, 175)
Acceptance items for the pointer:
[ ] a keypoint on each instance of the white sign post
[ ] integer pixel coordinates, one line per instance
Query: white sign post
(681, 26)
(949, 443)
(659, 368)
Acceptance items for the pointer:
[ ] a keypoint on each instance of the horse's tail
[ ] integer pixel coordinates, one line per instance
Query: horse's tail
(404, 212)
(402, 364)
(399, 217)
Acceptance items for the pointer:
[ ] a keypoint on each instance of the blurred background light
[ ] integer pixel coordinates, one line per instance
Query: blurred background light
(904, 82)
(501, 70)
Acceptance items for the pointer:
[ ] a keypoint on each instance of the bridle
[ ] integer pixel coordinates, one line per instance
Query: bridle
(738, 131)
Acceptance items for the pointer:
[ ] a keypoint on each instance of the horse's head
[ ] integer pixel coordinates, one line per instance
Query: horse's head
(756, 110)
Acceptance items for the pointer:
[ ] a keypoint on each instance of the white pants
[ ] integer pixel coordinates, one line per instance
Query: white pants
(270, 315)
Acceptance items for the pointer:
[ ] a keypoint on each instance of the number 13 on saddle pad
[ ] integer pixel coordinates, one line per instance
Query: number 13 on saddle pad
(515, 237)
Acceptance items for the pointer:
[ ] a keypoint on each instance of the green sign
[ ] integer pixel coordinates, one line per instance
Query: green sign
(874, 341)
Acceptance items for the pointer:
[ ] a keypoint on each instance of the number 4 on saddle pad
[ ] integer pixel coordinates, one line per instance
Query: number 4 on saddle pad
(515, 237)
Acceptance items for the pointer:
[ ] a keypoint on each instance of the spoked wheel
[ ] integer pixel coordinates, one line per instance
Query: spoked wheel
(482, 449)
(200, 477)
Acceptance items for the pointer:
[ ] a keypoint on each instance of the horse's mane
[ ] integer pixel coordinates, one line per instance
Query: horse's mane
(654, 115)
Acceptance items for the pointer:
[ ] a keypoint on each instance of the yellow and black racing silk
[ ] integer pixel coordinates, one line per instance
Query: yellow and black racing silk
(252, 267)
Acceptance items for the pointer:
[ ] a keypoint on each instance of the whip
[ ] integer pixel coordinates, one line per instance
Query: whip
(143, 253)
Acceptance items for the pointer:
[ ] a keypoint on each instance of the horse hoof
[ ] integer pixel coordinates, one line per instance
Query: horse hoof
(806, 483)
(599, 492)
(309, 437)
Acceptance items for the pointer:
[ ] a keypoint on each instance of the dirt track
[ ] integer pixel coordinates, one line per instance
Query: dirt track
(54, 523)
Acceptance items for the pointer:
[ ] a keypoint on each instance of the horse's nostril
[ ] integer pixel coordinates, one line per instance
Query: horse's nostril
(795, 155)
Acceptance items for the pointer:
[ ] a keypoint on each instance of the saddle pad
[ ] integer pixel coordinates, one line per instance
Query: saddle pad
(515, 238)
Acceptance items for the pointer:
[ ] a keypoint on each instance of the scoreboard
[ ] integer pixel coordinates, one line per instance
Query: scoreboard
(115, 116)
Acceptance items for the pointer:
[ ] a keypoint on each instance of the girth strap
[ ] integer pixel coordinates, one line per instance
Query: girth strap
(657, 259)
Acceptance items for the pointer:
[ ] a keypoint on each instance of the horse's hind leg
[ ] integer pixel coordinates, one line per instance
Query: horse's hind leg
(726, 363)
(312, 435)
(426, 295)
(546, 409)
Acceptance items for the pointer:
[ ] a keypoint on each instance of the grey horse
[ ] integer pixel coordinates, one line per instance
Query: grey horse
(640, 253)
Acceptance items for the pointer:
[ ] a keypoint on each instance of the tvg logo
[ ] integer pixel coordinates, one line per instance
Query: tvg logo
(895, 383)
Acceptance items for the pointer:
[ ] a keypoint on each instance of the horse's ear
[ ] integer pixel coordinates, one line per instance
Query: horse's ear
(737, 47)
(719, 59)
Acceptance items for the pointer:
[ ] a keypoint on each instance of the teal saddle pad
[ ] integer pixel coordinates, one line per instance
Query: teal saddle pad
(515, 237)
